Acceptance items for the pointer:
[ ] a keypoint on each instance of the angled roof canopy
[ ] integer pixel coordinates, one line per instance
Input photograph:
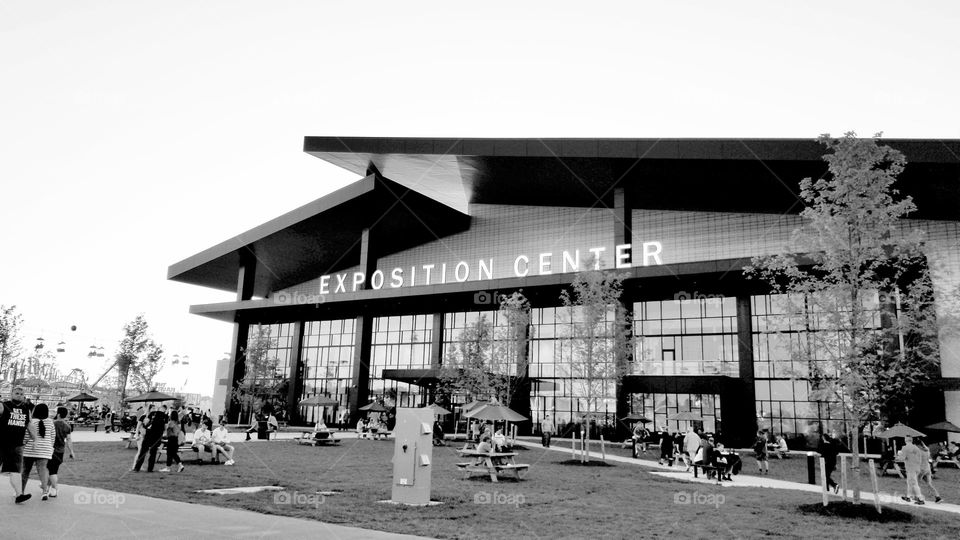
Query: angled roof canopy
(723, 175)
(323, 236)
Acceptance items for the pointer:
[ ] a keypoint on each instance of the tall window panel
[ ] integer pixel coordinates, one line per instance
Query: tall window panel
(399, 342)
(328, 365)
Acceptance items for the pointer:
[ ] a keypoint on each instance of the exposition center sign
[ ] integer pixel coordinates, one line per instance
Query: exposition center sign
(541, 264)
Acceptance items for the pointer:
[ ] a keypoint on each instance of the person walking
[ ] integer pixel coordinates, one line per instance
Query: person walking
(38, 447)
(760, 453)
(546, 430)
(926, 472)
(61, 444)
(14, 416)
(691, 443)
(173, 433)
(829, 449)
(666, 448)
(155, 425)
(913, 460)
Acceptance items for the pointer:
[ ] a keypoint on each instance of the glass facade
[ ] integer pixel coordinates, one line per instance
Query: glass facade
(563, 389)
(327, 354)
(267, 376)
(399, 342)
(686, 337)
(790, 336)
(662, 408)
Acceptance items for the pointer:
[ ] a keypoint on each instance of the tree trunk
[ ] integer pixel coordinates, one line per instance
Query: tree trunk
(855, 466)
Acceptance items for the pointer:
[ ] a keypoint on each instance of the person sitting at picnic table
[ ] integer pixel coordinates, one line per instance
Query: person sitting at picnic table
(221, 442)
(499, 440)
(203, 441)
(783, 450)
(363, 429)
(485, 447)
(319, 428)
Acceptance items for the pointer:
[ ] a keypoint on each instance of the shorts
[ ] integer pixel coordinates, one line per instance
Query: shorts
(761, 456)
(12, 459)
(53, 466)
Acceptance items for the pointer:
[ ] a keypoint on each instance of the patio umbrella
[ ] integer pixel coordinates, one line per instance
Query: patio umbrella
(472, 405)
(151, 396)
(634, 417)
(495, 411)
(900, 430)
(374, 407)
(687, 415)
(321, 401)
(437, 410)
(944, 426)
(83, 396)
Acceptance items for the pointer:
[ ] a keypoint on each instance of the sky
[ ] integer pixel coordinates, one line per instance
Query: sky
(136, 134)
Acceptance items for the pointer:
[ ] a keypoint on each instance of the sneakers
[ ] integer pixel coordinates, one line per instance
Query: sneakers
(165, 469)
(907, 499)
(938, 499)
(180, 467)
(920, 501)
(43, 497)
(22, 498)
(53, 493)
(229, 462)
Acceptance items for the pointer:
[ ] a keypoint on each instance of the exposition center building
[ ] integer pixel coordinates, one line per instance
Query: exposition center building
(365, 291)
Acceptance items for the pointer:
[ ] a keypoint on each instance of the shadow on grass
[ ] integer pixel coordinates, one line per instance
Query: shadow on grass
(591, 463)
(857, 511)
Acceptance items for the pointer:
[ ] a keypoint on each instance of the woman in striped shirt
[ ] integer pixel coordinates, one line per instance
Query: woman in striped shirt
(38, 446)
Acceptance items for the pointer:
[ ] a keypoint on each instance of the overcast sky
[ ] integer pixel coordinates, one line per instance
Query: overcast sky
(135, 134)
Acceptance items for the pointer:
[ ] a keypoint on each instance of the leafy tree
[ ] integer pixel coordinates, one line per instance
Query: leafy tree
(138, 356)
(859, 287)
(261, 380)
(490, 362)
(11, 324)
(598, 338)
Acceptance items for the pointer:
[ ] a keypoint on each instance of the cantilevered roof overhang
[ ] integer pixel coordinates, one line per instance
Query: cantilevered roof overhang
(722, 175)
(323, 236)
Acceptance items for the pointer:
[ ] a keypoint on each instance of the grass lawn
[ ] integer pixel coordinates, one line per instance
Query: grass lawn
(553, 501)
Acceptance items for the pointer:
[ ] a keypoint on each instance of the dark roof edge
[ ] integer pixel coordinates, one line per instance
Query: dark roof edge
(340, 196)
(916, 150)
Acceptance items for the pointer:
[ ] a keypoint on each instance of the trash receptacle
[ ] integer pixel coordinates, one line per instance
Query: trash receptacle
(262, 432)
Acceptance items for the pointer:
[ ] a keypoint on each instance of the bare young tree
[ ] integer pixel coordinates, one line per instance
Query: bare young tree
(597, 339)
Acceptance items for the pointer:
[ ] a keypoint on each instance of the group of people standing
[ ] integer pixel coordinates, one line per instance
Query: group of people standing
(30, 438)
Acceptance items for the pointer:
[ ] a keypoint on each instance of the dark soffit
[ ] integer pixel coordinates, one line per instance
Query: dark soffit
(324, 236)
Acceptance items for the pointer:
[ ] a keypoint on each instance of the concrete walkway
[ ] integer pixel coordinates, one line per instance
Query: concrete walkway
(744, 480)
(84, 513)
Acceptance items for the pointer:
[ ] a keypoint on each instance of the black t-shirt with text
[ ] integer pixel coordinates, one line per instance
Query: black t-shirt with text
(13, 423)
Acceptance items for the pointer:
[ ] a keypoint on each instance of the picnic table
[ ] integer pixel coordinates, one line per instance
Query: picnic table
(491, 463)
(94, 425)
(317, 438)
